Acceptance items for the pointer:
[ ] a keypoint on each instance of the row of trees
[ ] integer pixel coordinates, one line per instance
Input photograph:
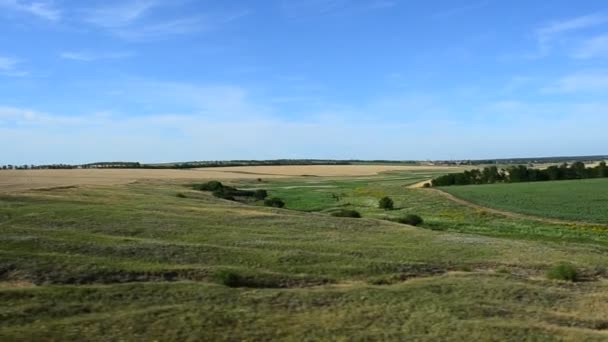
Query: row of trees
(104, 165)
(521, 173)
(185, 165)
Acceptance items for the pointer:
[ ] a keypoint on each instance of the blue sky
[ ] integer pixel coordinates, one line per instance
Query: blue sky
(161, 80)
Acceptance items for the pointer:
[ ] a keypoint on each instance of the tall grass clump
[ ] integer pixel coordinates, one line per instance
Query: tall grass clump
(563, 271)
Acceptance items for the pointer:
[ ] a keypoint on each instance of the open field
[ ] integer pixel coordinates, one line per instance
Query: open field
(15, 180)
(136, 262)
(578, 200)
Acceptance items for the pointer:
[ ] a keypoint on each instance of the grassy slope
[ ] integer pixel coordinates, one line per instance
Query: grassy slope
(580, 200)
(381, 280)
(439, 214)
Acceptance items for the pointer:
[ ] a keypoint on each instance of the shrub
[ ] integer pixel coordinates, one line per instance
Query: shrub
(209, 186)
(227, 195)
(346, 213)
(260, 194)
(386, 203)
(180, 195)
(563, 271)
(229, 278)
(411, 219)
(426, 185)
(274, 202)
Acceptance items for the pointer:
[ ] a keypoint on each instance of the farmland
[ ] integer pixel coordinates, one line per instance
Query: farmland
(577, 200)
(133, 261)
(11, 180)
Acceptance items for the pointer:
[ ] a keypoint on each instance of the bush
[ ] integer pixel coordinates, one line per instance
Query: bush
(223, 194)
(260, 194)
(229, 278)
(346, 213)
(274, 202)
(180, 195)
(209, 186)
(563, 271)
(386, 203)
(426, 185)
(411, 219)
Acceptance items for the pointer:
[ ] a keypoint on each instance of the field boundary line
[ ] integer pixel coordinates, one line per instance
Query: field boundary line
(512, 214)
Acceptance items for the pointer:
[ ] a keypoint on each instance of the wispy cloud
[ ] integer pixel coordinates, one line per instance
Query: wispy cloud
(596, 47)
(42, 9)
(49, 138)
(87, 56)
(587, 81)
(555, 31)
(454, 11)
(9, 67)
(121, 14)
(138, 20)
(302, 9)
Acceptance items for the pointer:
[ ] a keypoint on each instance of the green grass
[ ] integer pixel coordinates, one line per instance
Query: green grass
(580, 200)
(135, 262)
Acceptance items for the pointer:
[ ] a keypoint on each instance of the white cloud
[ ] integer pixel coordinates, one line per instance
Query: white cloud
(41, 9)
(555, 28)
(87, 56)
(555, 32)
(46, 138)
(137, 20)
(595, 47)
(454, 11)
(587, 81)
(155, 31)
(9, 67)
(121, 14)
(8, 64)
(302, 9)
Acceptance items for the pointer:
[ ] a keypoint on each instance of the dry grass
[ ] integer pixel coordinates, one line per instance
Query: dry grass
(17, 180)
(327, 170)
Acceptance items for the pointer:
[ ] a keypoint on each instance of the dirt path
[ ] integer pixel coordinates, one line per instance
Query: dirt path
(511, 214)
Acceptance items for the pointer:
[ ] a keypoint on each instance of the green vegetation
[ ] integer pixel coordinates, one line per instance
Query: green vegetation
(563, 271)
(274, 202)
(230, 193)
(346, 213)
(386, 203)
(579, 200)
(411, 219)
(136, 262)
(521, 173)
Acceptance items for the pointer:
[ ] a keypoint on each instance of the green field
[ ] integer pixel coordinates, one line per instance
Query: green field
(579, 200)
(136, 262)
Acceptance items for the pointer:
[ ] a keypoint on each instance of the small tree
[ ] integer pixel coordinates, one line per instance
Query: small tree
(386, 203)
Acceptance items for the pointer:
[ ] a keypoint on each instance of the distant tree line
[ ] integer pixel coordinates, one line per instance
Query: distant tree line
(104, 165)
(521, 173)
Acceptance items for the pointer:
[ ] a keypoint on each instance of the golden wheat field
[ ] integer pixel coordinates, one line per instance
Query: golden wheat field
(15, 180)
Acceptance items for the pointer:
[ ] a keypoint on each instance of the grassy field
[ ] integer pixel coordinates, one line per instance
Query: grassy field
(580, 200)
(136, 262)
